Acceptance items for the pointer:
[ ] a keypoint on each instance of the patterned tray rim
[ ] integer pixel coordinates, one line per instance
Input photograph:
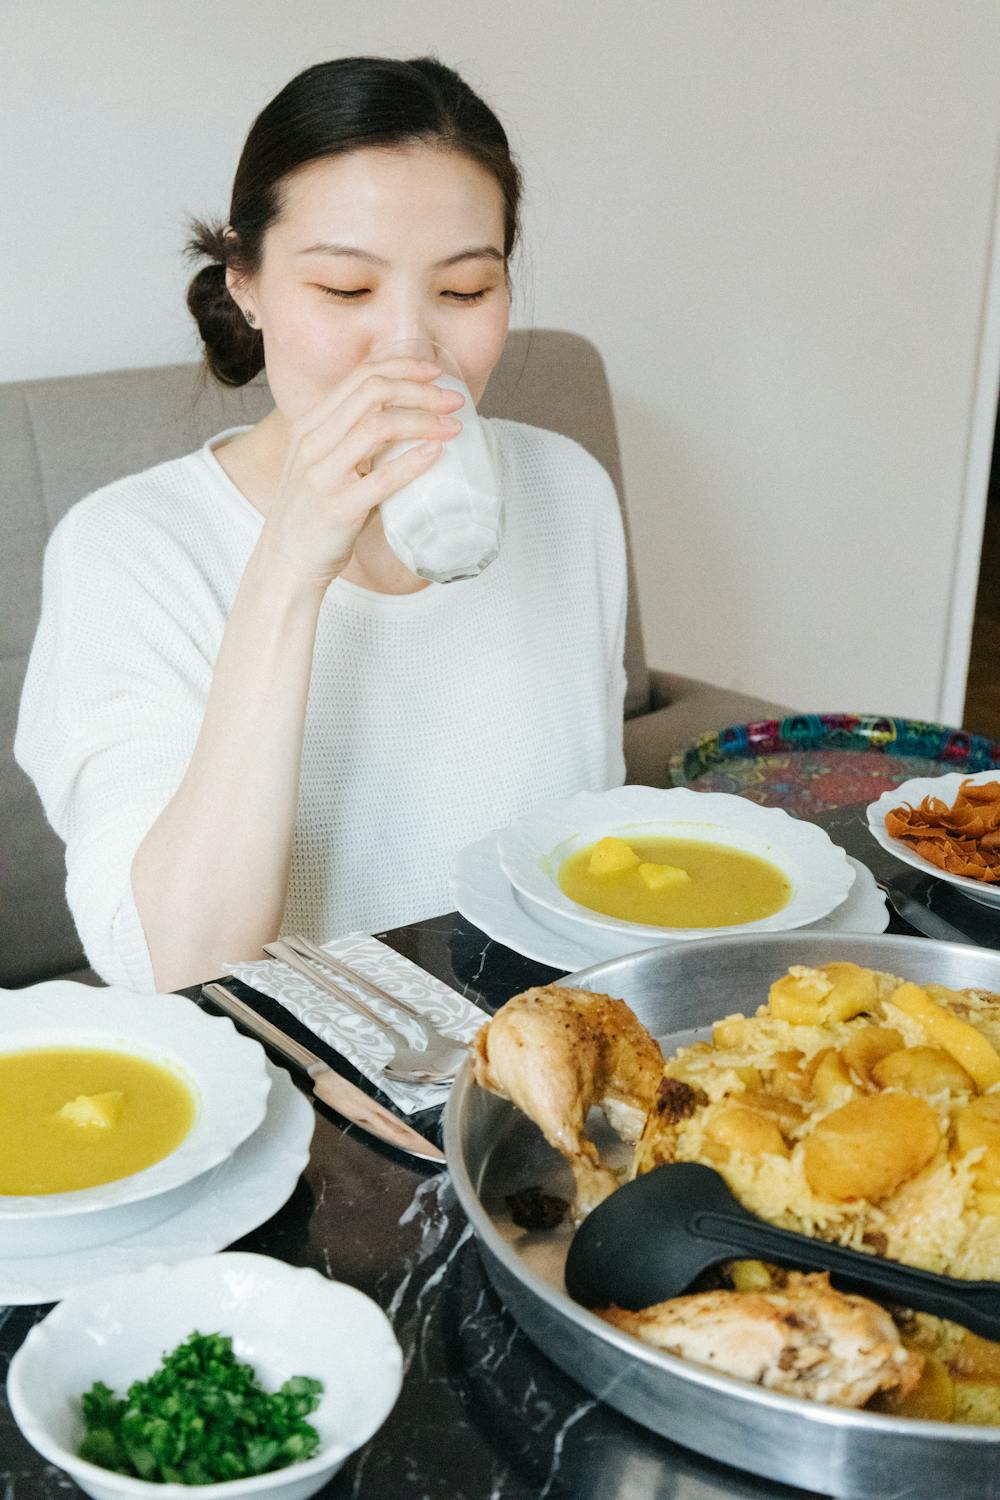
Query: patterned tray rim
(955, 749)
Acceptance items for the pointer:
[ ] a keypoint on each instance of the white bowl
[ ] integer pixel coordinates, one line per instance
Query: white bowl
(532, 850)
(283, 1320)
(946, 788)
(224, 1071)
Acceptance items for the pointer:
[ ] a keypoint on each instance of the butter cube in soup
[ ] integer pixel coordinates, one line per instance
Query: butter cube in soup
(93, 1111)
(612, 857)
(658, 877)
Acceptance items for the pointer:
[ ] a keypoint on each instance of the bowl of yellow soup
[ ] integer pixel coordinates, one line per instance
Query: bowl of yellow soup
(666, 865)
(113, 1107)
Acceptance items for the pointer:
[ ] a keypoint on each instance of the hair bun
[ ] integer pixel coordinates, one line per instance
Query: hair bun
(234, 351)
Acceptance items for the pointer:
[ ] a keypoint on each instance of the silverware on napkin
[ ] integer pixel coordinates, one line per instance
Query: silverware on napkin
(328, 1085)
(437, 1062)
(309, 950)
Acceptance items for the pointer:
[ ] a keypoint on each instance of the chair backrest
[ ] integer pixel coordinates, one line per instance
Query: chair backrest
(62, 438)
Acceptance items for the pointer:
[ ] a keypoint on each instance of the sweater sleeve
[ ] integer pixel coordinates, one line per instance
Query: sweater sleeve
(593, 493)
(617, 683)
(576, 523)
(111, 709)
(613, 573)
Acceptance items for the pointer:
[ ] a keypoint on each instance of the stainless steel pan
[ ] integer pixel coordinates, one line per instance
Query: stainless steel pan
(492, 1151)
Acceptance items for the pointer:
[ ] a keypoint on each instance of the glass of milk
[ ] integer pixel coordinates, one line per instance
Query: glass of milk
(447, 523)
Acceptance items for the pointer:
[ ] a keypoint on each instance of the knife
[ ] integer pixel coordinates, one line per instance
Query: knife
(328, 1085)
(922, 918)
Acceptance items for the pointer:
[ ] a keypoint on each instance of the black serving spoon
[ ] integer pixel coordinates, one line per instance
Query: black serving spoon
(654, 1236)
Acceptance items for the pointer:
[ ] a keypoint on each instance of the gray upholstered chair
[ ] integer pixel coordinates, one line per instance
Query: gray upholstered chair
(62, 438)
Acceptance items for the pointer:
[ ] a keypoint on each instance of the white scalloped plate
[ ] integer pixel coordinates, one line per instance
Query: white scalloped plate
(914, 791)
(486, 898)
(223, 1070)
(238, 1195)
(534, 847)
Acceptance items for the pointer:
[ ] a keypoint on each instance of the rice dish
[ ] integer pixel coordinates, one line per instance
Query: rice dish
(750, 1103)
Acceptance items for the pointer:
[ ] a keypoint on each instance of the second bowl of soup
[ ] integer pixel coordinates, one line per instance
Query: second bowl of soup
(112, 1106)
(666, 865)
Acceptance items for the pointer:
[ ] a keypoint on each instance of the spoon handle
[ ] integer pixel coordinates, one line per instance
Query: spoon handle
(973, 1304)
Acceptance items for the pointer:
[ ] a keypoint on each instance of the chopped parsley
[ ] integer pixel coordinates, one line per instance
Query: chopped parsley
(201, 1418)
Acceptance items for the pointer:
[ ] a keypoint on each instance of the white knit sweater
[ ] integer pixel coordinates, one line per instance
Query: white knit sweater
(432, 717)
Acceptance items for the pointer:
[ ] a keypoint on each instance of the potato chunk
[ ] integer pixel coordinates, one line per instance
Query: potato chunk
(831, 1083)
(854, 991)
(792, 1075)
(810, 997)
(868, 1047)
(787, 1112)
(978, 1124)
(871, 1145)
(788, 1077)
(662, 877)
(968, 1047)
(976, 1358)
(797, 996)
(750, 1276)
(922, 1070)
(93, 1111)
(731, 1031)
(932, 1399)
(746, 1131)
(612, 857)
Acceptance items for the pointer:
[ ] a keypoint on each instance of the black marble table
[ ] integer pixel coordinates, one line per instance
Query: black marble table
(482, 1414)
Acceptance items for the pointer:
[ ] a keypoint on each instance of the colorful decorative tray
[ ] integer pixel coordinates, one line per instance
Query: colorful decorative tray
(812, 763)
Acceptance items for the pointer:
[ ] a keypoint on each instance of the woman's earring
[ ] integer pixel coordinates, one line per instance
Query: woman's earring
(250, 317)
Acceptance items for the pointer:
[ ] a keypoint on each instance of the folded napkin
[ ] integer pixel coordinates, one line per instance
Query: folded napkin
(354, 1036)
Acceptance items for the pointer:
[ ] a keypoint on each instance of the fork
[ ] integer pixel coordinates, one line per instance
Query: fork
(444, 1048)
(438, 1062)
(307, 949)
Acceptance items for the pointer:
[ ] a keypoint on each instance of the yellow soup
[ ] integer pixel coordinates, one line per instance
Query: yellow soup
(72, 1117)
(670, 882)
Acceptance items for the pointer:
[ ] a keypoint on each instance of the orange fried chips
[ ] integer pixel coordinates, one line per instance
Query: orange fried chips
(963, 839)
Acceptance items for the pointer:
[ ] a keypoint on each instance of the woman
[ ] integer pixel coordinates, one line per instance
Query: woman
(242, 711)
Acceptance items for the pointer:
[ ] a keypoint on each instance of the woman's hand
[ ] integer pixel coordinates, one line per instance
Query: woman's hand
(328, 488)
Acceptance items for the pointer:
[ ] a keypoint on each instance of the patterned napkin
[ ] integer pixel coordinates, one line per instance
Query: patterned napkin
(354, 1036)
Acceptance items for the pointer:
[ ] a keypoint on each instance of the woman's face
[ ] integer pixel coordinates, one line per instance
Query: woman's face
(373, 247)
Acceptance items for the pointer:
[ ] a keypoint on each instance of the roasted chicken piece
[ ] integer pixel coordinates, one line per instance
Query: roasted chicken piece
(555, 1053)
(805, 1340)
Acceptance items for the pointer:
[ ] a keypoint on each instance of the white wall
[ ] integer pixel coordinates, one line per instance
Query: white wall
(774, 217)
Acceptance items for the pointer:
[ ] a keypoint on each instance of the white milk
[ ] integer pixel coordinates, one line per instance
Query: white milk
(447, 523)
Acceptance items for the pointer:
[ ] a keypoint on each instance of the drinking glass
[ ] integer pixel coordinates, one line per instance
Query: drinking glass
(448, 522)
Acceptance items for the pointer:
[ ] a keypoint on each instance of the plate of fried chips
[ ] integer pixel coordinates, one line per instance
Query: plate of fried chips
(946, 826)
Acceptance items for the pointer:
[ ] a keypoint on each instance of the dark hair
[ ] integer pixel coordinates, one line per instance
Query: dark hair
(332, 108)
